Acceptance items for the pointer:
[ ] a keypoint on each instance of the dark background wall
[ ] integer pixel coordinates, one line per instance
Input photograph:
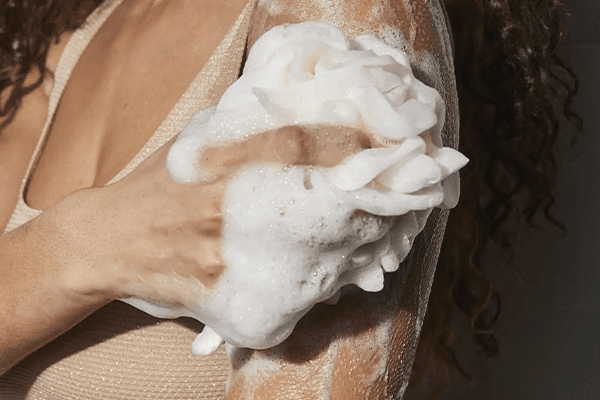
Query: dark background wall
(549, 329)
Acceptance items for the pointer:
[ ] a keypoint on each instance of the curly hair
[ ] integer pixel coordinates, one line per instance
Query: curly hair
(513, 90)
(27, 29)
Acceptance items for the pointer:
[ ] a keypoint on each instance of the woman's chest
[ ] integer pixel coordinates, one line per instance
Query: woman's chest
(127, 80)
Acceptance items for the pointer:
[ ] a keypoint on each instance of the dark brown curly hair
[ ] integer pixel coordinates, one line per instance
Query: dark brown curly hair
(27, 29)
(513, 90)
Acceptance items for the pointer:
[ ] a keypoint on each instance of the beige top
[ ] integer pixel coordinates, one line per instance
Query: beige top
(119, 352)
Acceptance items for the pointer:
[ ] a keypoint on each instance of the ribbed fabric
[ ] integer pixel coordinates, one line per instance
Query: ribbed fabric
(69, 57)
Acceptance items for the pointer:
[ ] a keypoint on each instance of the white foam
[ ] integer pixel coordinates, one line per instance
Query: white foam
(288, 245)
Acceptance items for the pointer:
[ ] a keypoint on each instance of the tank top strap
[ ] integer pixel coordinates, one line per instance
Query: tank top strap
(67, 61)
(221, 69)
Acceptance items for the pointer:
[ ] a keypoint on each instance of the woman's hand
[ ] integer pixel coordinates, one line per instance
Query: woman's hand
(179, 260)
(253, 250)
(145, 236)
(168, 234)
(363, 347)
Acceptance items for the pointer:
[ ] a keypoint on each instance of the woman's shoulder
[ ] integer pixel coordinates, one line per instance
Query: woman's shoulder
(415, 19)
(418, 27)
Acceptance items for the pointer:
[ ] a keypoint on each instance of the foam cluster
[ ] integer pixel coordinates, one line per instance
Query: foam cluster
(287, 244)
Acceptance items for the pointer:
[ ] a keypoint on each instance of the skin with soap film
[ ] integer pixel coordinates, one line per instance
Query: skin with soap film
(296, 231)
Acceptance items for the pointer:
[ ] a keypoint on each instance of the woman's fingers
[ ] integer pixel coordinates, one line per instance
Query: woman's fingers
(285, 146)
(318, 145)
(396, 203)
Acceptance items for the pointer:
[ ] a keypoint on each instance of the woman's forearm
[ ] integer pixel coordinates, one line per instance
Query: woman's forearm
(99, 244)
(47, 285)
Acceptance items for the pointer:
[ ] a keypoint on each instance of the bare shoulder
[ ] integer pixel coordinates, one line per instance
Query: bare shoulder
(414, 20)
(417, 27)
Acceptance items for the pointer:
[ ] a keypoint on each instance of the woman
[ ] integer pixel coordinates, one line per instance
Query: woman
(124, 73)
(56, 265)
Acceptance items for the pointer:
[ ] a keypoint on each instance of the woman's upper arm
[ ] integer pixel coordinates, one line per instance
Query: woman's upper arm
(363, 346)
(418, 27)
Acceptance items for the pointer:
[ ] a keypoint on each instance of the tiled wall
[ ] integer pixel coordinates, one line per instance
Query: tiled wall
(550, 329)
